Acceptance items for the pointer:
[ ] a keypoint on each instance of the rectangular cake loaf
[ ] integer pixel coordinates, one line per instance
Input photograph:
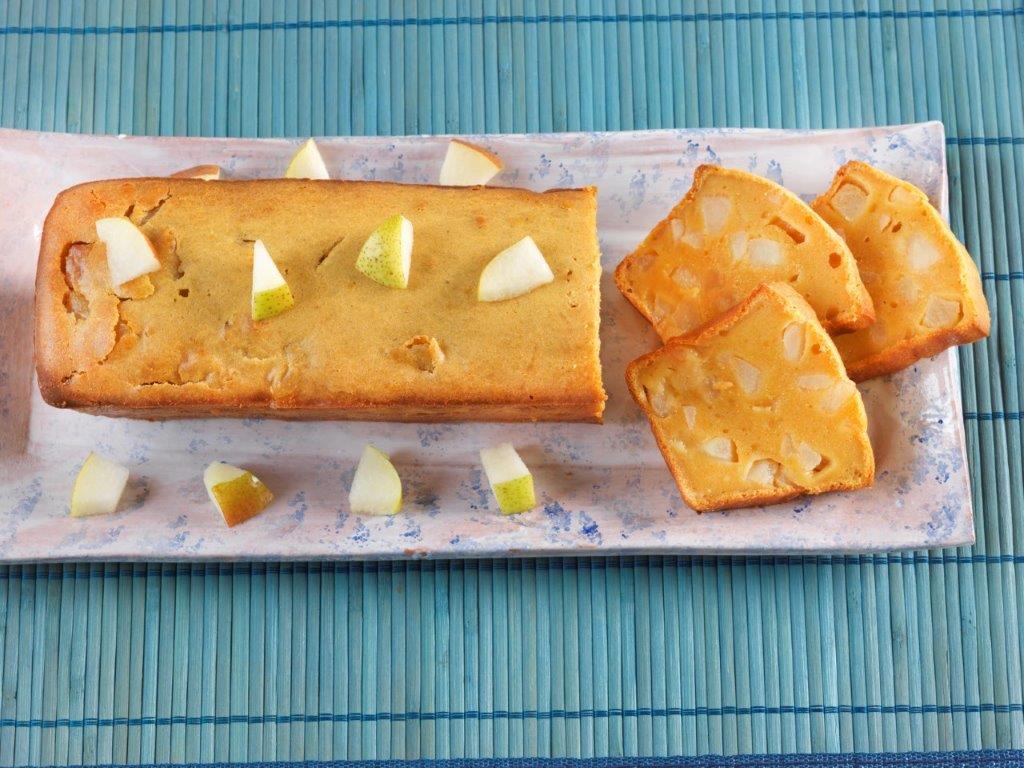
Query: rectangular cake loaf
(180, 341)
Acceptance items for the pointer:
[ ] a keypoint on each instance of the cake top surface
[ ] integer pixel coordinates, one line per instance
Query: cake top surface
(188, 326)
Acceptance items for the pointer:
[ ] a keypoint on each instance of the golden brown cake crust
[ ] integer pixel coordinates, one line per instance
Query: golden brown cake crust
(180, 342)
(859, 474)
(974, 324)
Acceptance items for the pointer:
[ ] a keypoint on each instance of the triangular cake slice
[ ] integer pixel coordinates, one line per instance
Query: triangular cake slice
(730, 233)
(756, 407)
(926, 288)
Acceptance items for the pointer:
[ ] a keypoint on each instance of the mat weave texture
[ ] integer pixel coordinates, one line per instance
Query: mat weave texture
(916, 651)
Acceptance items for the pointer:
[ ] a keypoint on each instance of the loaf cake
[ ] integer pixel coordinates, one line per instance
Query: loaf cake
(730, 233)
(755, 408)
(180, 341)
(925, 286)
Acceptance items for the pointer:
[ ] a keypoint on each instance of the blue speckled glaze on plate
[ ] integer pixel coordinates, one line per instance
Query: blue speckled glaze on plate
(602, 489)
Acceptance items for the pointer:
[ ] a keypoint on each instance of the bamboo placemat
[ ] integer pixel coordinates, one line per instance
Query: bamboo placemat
(577, 658)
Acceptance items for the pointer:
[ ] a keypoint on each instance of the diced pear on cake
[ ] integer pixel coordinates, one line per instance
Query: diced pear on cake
(386, 256)
(509, 479)
(467, 165)
(925, 286)
(129, 252)
(755, 408)
(98, 488)
(732, 232)
(236, 493)
(376, 486)
(307, 163)
(515, 271)
(270, 293)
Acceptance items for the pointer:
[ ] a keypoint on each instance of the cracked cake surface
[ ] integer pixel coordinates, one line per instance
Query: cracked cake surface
(181, 342)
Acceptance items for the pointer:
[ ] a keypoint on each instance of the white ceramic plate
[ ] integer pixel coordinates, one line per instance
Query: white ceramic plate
(602, 488)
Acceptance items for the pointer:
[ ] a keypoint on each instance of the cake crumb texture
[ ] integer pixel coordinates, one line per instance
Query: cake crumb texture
(925, 286)
(732, 232)
(755, 408)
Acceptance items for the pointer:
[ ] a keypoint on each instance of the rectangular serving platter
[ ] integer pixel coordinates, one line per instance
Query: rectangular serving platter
(602, 488)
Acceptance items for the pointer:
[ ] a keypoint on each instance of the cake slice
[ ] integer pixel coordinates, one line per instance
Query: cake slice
(756, 407)
(926, 289)
(730, 233)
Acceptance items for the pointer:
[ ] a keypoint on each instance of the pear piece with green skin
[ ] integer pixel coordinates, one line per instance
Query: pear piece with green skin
(386, 256)
(98, 487)
(517, 270)
(129, 252)
(467, 165)
(270, 293)
(376, 487)
(307, 163)
(510, 480)
(237, 493)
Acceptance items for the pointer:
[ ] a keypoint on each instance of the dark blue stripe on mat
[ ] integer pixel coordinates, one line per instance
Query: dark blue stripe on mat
(1002, 277)
(993, 416)
(987, 141)
(69, 572)
(448, 21)
(500, 714)
(1011, 758)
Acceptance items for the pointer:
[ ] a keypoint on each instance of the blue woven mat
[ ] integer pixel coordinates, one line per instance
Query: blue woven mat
(576, 658)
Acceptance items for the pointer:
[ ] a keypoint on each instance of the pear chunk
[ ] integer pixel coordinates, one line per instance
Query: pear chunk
(466, 165)
(510, 480)
(307, 163)
(237, 493)
(517, 270)
(386, 256)
(129, 252)
(270, 293)
(202, 172)
(98, 487)
(376, 487)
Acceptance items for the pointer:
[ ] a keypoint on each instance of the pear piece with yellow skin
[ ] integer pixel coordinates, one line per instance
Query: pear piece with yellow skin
(307, 163)
(98, 487)
(237, 493)
(376, 487)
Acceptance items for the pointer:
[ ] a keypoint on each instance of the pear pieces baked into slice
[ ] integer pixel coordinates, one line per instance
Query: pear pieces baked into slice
(730, 233)
(755, 408)
(926, 289)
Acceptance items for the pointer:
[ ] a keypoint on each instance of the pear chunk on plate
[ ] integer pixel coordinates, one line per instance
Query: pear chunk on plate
(376, 486)
(467, 165)
(129, 252)
(510, 480)
(98, 487)
(517, 270)
(386, 256)
(236, 493)
(202, 172)
(307, 163)
(270, 293)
